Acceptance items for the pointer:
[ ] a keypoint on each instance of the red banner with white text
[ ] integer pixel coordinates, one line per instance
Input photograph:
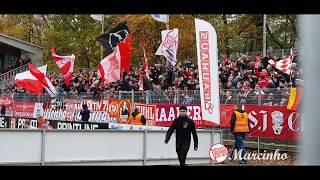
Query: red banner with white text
(267, 121)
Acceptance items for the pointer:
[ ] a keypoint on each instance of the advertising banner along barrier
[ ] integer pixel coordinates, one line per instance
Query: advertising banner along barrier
(103, 111)
(265, 121)
(11, 122)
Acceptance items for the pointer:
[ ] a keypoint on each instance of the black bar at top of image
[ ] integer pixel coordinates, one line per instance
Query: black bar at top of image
(159, 6)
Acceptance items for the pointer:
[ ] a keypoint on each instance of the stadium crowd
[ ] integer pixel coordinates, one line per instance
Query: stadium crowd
(240, 80)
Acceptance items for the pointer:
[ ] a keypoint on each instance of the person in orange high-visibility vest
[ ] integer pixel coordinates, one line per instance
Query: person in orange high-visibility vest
(136, 118)
(239, 127)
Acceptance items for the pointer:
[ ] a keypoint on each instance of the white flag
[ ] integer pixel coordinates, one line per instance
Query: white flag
(169, 46)
(161, 17)
(207, 53)
(97, 17)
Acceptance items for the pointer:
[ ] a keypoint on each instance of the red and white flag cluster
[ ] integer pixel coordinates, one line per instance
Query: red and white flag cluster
(284, 65)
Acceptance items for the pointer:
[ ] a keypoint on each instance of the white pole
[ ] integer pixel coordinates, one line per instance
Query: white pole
(102, 31)
(264, 35)
(167, 24)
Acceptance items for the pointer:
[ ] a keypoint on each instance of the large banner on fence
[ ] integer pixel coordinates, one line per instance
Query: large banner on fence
(10, 122)
(108, 111)
(207, 53)
(267, 121)
(149, 112)
(28, 109)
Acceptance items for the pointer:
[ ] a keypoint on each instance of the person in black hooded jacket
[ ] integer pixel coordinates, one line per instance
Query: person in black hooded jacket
(85, 113)
(184, 126)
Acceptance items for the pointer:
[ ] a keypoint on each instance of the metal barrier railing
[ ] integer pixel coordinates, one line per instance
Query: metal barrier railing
(277, 52)
(9, 76)
(269, 97)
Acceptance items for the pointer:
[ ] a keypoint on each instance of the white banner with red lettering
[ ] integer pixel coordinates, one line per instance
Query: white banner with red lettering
(207, 53)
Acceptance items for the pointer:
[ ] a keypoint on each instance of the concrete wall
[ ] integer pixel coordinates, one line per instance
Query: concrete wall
(98, 147)
(25, 46)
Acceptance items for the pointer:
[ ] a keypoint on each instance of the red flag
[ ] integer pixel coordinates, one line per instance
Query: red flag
(145, 64)
(30, 83)
(65, 64)
(109, 67)
(125, 52)
(42, 78)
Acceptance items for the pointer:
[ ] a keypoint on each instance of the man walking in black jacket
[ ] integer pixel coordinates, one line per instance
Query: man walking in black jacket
(184, 126)
(85, 113)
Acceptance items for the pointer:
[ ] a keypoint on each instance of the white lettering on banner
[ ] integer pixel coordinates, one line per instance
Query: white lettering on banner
(91, 126)
(101, 105)
(2, 122)
(253, 119)
(196, 113)
(64, 125)
(291, 121)
(21, 123)
(147, 111)
(163, 116)
(172, 115)
(55, 114)
(265, 120)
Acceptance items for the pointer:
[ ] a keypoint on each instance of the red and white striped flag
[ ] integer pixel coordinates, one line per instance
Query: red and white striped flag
(109, 67)
(284, 65)
(145, 64)
(65, 64)
(43, 79)
(30, 83)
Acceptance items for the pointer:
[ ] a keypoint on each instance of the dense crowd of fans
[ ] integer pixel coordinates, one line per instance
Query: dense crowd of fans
(241, 80)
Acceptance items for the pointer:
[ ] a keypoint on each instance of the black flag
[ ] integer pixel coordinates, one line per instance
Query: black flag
(117, 34)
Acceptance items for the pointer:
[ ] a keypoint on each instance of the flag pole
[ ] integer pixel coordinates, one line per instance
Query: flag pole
(167, 24)
(264, 35)
(102, 29)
